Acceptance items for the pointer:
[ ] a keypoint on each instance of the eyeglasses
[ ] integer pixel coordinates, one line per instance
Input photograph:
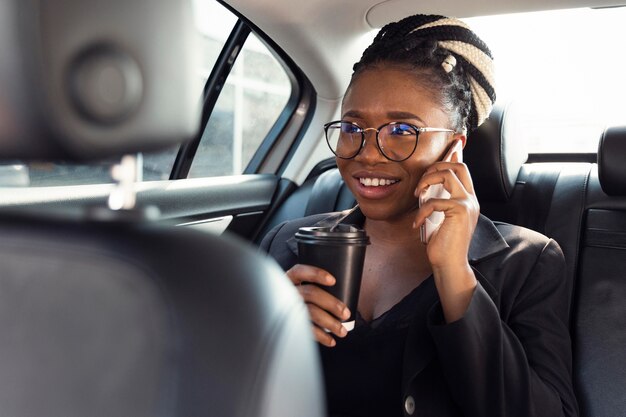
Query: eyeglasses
(396, 140)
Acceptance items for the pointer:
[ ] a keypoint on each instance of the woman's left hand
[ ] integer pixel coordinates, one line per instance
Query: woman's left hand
(448, 247)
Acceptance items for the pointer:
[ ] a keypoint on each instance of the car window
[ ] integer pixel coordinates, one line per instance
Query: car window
(255, 94)
(153, 166)
(561, 75)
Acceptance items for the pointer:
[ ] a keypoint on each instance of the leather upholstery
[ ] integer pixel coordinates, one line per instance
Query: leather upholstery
(600, 326)
(329, 193)
(612, 161)
(93, 83)
(131, 319)
(494, 154)
(115, 316)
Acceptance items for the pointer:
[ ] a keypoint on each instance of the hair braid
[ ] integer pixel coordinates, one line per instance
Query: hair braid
(424, 43)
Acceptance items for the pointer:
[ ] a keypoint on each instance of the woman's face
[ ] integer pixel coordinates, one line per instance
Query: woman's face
(378, 96)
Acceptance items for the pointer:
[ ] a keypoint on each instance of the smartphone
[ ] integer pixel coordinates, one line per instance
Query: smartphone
(433, 222)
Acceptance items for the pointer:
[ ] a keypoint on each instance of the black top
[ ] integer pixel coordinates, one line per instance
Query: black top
(363, 372)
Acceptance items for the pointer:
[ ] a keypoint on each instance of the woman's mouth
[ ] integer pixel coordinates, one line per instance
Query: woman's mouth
(376, 182)
(374, 187)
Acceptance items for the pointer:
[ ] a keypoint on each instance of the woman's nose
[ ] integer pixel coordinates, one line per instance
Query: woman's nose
(370, 152)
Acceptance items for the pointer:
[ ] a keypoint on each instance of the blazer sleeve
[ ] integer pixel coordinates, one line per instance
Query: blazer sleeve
(275, 244)
(268, 239)
(519, 365)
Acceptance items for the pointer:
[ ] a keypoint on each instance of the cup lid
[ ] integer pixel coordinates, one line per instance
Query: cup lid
(339, 232)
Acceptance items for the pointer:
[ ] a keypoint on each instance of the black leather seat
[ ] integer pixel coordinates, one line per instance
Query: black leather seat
(600, 311)
(107, 313)
(546, 197)
(494, 155)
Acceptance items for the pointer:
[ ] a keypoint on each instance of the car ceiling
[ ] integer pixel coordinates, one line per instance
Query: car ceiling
(390, 10)
(325, 37)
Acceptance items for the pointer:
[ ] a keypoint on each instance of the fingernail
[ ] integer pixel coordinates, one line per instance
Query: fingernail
(330, 279)
(345, 313)
(332, 343)
(343, 332)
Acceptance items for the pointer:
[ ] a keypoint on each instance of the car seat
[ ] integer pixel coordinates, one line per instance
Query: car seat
(599, 331)
(106, 313)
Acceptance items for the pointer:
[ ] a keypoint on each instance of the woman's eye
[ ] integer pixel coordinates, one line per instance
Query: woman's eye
(349, 128)
(402, 130)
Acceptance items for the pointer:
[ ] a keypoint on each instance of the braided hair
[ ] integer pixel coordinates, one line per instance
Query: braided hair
(451, 58)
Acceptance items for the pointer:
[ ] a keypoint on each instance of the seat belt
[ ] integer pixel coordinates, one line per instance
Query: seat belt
(565, 224)
(537, 199)
(566, 206)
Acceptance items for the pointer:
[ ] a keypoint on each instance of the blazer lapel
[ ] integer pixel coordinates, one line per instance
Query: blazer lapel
(486, 241)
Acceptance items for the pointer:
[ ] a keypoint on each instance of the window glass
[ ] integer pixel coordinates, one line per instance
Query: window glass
(154, 166)
(562, 75)
(253, 97)
(214, 22)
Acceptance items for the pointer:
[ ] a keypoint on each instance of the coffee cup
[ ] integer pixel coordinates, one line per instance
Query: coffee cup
(339, 250)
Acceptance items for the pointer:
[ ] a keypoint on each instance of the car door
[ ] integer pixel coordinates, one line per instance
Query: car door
(228, 176)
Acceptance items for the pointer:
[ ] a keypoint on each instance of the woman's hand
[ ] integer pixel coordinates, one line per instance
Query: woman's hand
(325, 310)
(450, 243)
(448, 247)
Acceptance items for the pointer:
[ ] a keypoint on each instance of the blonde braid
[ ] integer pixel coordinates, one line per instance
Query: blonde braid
(460, 61)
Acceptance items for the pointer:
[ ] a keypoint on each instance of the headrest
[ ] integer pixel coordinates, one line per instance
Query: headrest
(494, 154)
(87, 79)
(612, 161)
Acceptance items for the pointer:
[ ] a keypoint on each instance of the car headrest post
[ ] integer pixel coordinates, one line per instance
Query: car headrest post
(124, 196)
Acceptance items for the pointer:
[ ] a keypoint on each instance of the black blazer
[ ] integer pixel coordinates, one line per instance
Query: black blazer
(510, 355)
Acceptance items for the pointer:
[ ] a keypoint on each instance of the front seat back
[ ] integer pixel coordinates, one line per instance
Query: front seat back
(107, 313)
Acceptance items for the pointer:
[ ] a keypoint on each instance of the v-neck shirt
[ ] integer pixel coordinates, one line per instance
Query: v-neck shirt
(363, 372)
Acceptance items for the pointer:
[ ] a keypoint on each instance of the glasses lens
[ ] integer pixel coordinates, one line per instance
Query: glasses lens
(344, 139)
(397, 141)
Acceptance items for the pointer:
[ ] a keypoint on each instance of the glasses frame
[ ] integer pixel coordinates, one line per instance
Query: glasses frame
(417, 129)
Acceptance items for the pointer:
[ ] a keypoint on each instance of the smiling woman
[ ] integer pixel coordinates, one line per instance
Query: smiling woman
(374, 97)
(450, 326)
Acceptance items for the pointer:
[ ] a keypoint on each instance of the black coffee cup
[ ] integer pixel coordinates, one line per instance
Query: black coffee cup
(339, 250)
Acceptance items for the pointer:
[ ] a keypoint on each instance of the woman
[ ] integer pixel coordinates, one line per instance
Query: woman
(473, 323)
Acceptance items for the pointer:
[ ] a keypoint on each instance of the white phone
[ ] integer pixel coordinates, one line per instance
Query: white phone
(433, 222)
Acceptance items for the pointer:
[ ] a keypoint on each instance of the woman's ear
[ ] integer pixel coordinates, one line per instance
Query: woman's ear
(455, 151)
(462, 137)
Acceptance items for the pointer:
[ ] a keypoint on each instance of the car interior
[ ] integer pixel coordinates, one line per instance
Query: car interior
(131, 296)
(108, 313)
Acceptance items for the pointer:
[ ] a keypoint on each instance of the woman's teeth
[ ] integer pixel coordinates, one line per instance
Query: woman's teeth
(375, 182)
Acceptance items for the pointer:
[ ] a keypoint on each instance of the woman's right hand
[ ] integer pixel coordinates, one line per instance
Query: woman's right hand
(325, 310)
